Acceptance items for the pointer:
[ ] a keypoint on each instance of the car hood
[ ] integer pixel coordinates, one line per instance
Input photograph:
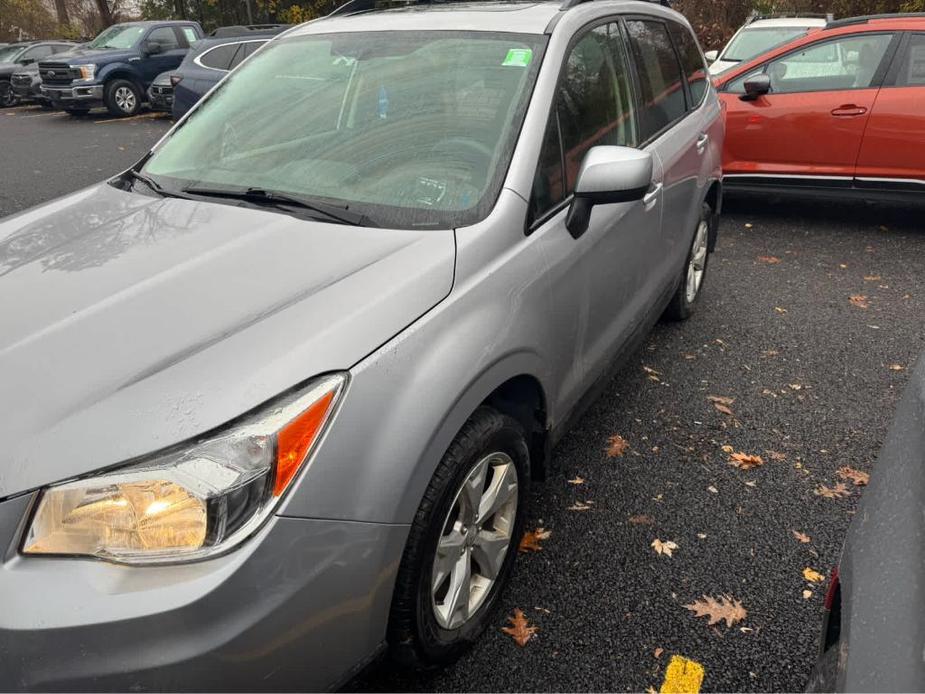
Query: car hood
(132, 323)
(10, 68)
(89, 55)
(720, 66)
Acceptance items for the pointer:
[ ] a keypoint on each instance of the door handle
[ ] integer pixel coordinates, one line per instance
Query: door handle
(651, 197)
(848, 111)
(702, 142)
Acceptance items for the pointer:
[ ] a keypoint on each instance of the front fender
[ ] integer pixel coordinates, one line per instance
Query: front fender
(121, 69)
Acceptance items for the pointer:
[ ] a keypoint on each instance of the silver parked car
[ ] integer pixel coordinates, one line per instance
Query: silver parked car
(273, 399)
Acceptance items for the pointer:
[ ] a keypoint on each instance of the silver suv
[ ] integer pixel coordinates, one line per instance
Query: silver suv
(274, 398)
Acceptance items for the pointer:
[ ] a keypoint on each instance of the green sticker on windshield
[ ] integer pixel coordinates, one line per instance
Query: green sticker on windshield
(518, 57)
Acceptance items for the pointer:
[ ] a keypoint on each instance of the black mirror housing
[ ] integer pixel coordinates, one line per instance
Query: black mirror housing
(756, 87)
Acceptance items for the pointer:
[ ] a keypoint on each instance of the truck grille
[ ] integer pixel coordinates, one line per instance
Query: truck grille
(57, 73)
(21, 80)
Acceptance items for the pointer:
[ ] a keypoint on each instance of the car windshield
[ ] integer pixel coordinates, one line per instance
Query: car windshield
(118, 36)
(8, 54)
(411, 129)
(753, 42)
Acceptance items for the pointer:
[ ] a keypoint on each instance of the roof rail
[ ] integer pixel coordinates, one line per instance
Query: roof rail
(851, 21)
(247, 30)
(569, 4)
(757, 16)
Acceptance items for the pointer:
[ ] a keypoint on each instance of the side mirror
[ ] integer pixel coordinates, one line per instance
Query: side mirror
(711, 56)
(151, 47)
(607, 175)
(756, 86)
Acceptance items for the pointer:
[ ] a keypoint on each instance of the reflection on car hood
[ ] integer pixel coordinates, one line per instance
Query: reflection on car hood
(131, 323)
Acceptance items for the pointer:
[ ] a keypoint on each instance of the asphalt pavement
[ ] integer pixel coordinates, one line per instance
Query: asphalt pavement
(814, 377)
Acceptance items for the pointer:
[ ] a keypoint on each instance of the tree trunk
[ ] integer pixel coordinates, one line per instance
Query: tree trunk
(61, 10)
(105, 13)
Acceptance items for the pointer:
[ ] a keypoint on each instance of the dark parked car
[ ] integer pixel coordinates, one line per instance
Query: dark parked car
(116, 68)
(14, 56)
(160, 93)
(212, 58)
(873, 629)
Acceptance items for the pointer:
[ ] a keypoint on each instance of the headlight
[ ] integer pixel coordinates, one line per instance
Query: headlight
(190, 502)
(87, 72)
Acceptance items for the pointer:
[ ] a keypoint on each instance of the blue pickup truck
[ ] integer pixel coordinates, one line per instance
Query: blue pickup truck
(116, 68)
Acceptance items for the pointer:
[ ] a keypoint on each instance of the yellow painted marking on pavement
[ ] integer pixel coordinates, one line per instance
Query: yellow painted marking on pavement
(683, 676)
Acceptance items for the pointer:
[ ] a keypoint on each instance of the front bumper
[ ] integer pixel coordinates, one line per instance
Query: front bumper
(26, 90)
(72, 96)
(300, 606)
(160, 97)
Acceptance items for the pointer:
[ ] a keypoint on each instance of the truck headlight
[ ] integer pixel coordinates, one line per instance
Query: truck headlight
(87, 72)
(192, 501)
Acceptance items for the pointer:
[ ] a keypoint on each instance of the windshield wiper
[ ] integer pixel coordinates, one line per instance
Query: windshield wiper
(154, 185)
(335, 213)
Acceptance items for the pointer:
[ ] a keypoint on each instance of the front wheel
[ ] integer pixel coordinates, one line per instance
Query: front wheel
(694, 273)
(463, 542)
(7, 96)
(122, 97)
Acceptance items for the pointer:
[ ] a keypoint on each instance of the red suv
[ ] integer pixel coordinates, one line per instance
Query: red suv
(841, 110)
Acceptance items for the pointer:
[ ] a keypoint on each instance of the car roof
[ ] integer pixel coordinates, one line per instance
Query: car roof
(526, 17)
(843, 27)
(778, 22)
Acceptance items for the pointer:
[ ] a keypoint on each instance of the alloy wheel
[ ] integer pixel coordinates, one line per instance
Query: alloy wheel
(125, 99)
(698, 262)
(475, 539)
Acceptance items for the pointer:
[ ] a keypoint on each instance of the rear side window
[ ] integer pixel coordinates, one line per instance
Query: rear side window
(593, 107)
(190, 34)
(220, 57)
(692, 61)
(165, 37)
(660, 80)
(912, 70)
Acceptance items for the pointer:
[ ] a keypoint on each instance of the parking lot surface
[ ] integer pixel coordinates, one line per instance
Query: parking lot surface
(811, 317)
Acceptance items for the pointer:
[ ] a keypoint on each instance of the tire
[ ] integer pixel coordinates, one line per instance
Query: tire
(685, 298)
(7, 96)
(422, 625)
(122, 97)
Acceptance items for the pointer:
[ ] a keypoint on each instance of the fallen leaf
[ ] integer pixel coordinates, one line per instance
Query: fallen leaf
(807, 594)
(843, 266)
(813, 576)
(859, 300)
(666, 547)
(796, 386)
(859, 478)
(748, 226)
(836, 492)
(702, 536)
(530, 542)
(617, 446)
(770, 353)
(579, 506)
(712, 489)
(521, 632)
(743, 461)
(775, 455)
(641, 519)
(725, 608)
(722, 408)
(872, 278)
(780, 310)
(768, 259)
(577, 480)
(728, 449)
(658, 652)
(802, 537)
(721, 399)
(896, 367)
(751, 483)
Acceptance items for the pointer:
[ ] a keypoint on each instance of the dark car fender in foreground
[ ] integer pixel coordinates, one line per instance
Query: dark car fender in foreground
(876, 632)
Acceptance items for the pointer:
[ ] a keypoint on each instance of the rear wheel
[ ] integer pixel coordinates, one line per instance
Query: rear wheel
(694, 273)
(463, 542)
(122, 97)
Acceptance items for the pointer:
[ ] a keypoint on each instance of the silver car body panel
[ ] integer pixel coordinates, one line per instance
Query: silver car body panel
(152, 321)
